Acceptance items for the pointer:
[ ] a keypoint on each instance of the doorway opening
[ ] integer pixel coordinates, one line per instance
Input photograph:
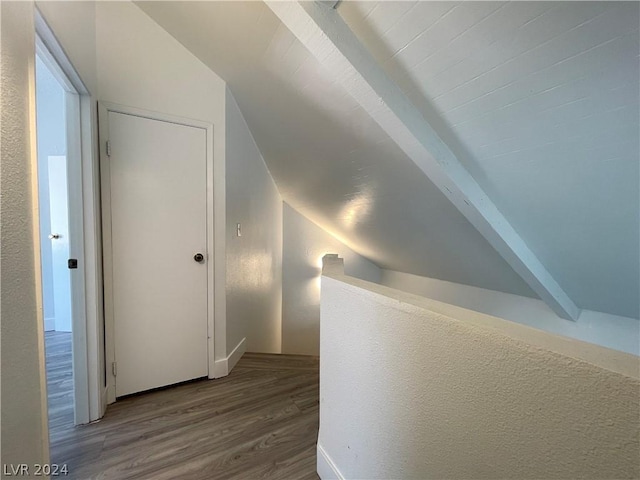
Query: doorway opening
(69, 240)
(53, 201)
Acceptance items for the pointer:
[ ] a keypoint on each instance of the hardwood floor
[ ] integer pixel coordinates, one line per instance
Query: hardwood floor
(260, 422)
(59, 380)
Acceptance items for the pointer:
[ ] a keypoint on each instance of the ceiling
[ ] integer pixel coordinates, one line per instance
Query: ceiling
(539, 101)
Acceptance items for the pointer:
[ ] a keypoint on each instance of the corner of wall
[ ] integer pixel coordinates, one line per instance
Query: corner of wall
(304, 245)
(253, 257)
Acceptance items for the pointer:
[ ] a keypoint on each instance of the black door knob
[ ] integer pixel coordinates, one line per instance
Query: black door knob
(198, 257)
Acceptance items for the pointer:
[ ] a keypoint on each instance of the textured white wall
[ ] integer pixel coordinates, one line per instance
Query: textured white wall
(24, 422)
(254, 260)
(413, 388)
(304, 245)
(612, 331)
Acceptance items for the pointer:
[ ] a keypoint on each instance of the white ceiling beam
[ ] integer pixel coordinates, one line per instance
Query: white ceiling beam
(321, 29)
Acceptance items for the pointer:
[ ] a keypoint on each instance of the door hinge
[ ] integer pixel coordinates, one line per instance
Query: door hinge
(108, 148)
(114, 369)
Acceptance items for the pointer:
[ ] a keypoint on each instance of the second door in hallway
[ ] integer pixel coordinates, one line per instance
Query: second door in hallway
(157, 182)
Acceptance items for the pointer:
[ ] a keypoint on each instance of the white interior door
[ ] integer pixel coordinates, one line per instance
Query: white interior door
(59, 238)
(158, 224)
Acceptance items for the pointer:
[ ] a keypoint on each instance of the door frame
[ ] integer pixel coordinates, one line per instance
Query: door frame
(86, 286)
(103, 122)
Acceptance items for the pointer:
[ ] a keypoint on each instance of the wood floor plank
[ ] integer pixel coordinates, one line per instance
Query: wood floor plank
(260, 422)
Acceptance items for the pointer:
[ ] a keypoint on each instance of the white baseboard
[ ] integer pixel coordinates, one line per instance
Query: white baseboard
(325, 467)
(237, 354)
(223, 367)
(103, 403)
(220, 368)
(110, 393)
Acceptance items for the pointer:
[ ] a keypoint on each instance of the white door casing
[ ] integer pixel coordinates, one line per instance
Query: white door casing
(157, 222)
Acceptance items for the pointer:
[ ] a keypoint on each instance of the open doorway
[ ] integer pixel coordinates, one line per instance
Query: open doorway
(53, 199)
(68, 217)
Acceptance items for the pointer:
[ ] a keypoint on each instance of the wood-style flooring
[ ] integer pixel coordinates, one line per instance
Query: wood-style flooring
(59, 380)
(260, 422)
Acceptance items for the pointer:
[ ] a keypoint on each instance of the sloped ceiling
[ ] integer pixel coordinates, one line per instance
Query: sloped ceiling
(538, 100)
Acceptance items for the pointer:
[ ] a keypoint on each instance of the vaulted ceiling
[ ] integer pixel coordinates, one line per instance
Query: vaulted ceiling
(538, 101)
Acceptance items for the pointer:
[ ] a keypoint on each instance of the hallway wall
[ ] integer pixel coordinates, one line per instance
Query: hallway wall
(415, 388)
(24, 423)
(254, 259)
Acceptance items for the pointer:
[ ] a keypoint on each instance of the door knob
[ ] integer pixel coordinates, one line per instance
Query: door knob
(198, 257)
(54, 236)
